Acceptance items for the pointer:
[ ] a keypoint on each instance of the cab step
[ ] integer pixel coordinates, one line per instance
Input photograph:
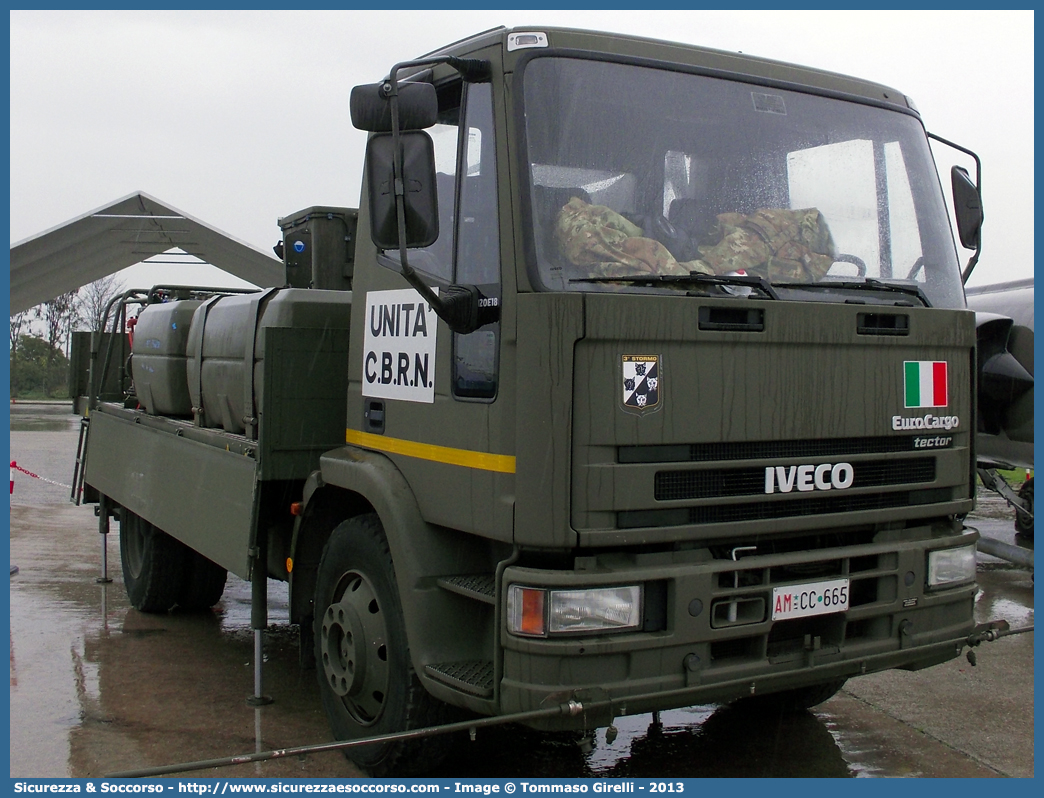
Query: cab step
(481, 587)
(471, 676)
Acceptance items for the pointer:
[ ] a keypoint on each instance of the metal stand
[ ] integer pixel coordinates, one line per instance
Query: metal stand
(102, 511)
(14, 568)
(259, 622)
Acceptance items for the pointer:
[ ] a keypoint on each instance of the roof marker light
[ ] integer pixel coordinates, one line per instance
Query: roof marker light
(523, 41)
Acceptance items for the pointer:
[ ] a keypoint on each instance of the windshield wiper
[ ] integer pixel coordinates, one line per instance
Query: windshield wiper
(693, 278)
(866, 284)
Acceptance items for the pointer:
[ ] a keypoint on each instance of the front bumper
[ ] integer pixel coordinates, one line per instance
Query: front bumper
(689, 652)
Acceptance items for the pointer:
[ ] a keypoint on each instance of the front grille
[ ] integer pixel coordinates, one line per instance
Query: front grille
(757, 450)
(715, 483)
(728, 513)
(819, 506)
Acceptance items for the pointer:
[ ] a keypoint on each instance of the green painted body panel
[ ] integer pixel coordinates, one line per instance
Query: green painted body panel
(304, 383)
(197, 492)
(809, 375)
(551, 324)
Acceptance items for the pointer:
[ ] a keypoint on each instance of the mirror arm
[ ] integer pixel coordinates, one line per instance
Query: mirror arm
(391, 89)
(974, 259)
(966, 151)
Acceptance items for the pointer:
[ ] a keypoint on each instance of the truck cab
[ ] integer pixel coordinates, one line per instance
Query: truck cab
(730, 369)
(660, 391)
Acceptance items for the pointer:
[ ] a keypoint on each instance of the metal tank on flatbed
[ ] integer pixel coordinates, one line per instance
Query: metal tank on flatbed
(226, 350)
(158, 357)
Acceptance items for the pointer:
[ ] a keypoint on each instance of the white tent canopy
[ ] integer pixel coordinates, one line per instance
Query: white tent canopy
(121, 234)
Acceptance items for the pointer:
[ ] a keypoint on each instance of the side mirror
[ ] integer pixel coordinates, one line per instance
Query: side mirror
(371, 107)
(397, 114)
(967, 205)
(420, 197)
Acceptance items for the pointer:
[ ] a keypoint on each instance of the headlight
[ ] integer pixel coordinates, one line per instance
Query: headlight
(951, 566)
(539, 612)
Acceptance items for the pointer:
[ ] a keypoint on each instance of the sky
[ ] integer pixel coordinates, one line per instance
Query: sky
(241, 117)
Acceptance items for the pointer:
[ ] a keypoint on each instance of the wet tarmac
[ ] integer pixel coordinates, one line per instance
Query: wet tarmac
(97, 687)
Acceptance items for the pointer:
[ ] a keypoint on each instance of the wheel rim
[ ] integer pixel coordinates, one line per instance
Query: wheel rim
(133, 544)
(354, 650)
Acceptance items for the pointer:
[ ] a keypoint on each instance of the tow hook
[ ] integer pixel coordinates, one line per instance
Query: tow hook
(988, 632)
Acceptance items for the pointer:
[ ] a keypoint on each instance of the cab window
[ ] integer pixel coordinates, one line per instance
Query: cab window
(475, 356)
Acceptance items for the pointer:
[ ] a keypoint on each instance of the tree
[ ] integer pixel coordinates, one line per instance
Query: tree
(18, 324)
(36, 368)
(58, 316)
(94, 298)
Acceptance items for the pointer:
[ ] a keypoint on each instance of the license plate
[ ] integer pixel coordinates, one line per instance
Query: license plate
(814, 598)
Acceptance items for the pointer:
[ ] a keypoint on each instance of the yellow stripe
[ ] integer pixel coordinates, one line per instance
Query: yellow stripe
(502, 463)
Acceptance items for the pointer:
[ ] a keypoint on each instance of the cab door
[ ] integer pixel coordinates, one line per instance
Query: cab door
(429, 398)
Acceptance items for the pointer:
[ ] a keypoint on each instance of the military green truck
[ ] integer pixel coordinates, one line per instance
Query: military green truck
(641, 378)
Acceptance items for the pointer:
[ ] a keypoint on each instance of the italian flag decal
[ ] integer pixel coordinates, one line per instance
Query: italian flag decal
(924, 383)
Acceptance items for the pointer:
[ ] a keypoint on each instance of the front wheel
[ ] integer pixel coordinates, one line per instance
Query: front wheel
(366, 678)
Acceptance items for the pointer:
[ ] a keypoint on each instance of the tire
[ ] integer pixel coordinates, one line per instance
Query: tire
(790, 701)
(366, 678)
(203, 582)
(1023, 522)
(153, 564)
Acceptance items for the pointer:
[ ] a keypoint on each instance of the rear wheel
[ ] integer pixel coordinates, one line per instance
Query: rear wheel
(153, 564)
(367, 682)
(203, 582)
(795, 700)
(1023, 522)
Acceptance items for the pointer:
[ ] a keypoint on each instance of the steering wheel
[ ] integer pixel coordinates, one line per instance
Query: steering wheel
(856, 261)
(678, 242)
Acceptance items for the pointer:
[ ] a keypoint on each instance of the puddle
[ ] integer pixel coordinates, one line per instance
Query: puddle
(31, 424)
(707, 741)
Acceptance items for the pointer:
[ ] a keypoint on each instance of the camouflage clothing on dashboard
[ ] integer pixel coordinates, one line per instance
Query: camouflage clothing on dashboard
(773, 242)
(608, 245)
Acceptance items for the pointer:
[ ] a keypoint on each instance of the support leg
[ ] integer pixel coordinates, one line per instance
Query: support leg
(259, 622)
(103, 512)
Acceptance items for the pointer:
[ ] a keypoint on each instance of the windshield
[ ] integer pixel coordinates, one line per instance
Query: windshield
(636, 170)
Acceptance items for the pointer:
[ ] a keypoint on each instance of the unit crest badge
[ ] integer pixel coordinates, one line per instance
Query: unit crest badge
(641, 381)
